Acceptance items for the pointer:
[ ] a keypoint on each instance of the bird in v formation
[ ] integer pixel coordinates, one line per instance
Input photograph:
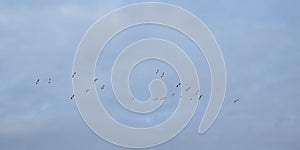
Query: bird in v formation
(103, 87)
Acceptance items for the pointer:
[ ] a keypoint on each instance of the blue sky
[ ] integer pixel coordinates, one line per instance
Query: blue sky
(259, 40)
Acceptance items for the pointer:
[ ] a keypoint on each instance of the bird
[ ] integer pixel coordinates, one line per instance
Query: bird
(87, 90)
(237, 100)
(102, 87)
(37, 81)
(95, 80)
(49, 81)
(73, 75)
(157, 70)
(163, 98)
(162, 75)
(72, 97)
(188, 89)
(200, 97)
(178, 84)
(172, 94)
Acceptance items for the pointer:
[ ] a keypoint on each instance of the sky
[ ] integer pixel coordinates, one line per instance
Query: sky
(258, 38)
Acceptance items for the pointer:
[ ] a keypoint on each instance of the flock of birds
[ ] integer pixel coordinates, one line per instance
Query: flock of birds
(157, 72)
(38, 81)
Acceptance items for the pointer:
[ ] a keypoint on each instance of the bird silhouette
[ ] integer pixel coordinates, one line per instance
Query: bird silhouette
(172, 94)
(235, 101)
(95, 80)
(178, 84)
(37, 81)
(87, 90)
(162, 75)
(200, 97)
(157, 70)
(72, 97)
(73, 75)
(49, 80)
(102, 87)
(163, 98)
(188, 89)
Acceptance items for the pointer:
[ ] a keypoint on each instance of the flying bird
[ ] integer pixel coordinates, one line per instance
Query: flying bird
(188, 89)
(87, 90)
(49, 81)
(172, 94)
(72, 97)
(157, 70)
(37, 81)
(73, 75)
(235, 101)
(102, 87)
(178, 84)
(200, 97)
(95, 80)
(163, 98)
(163, 74)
